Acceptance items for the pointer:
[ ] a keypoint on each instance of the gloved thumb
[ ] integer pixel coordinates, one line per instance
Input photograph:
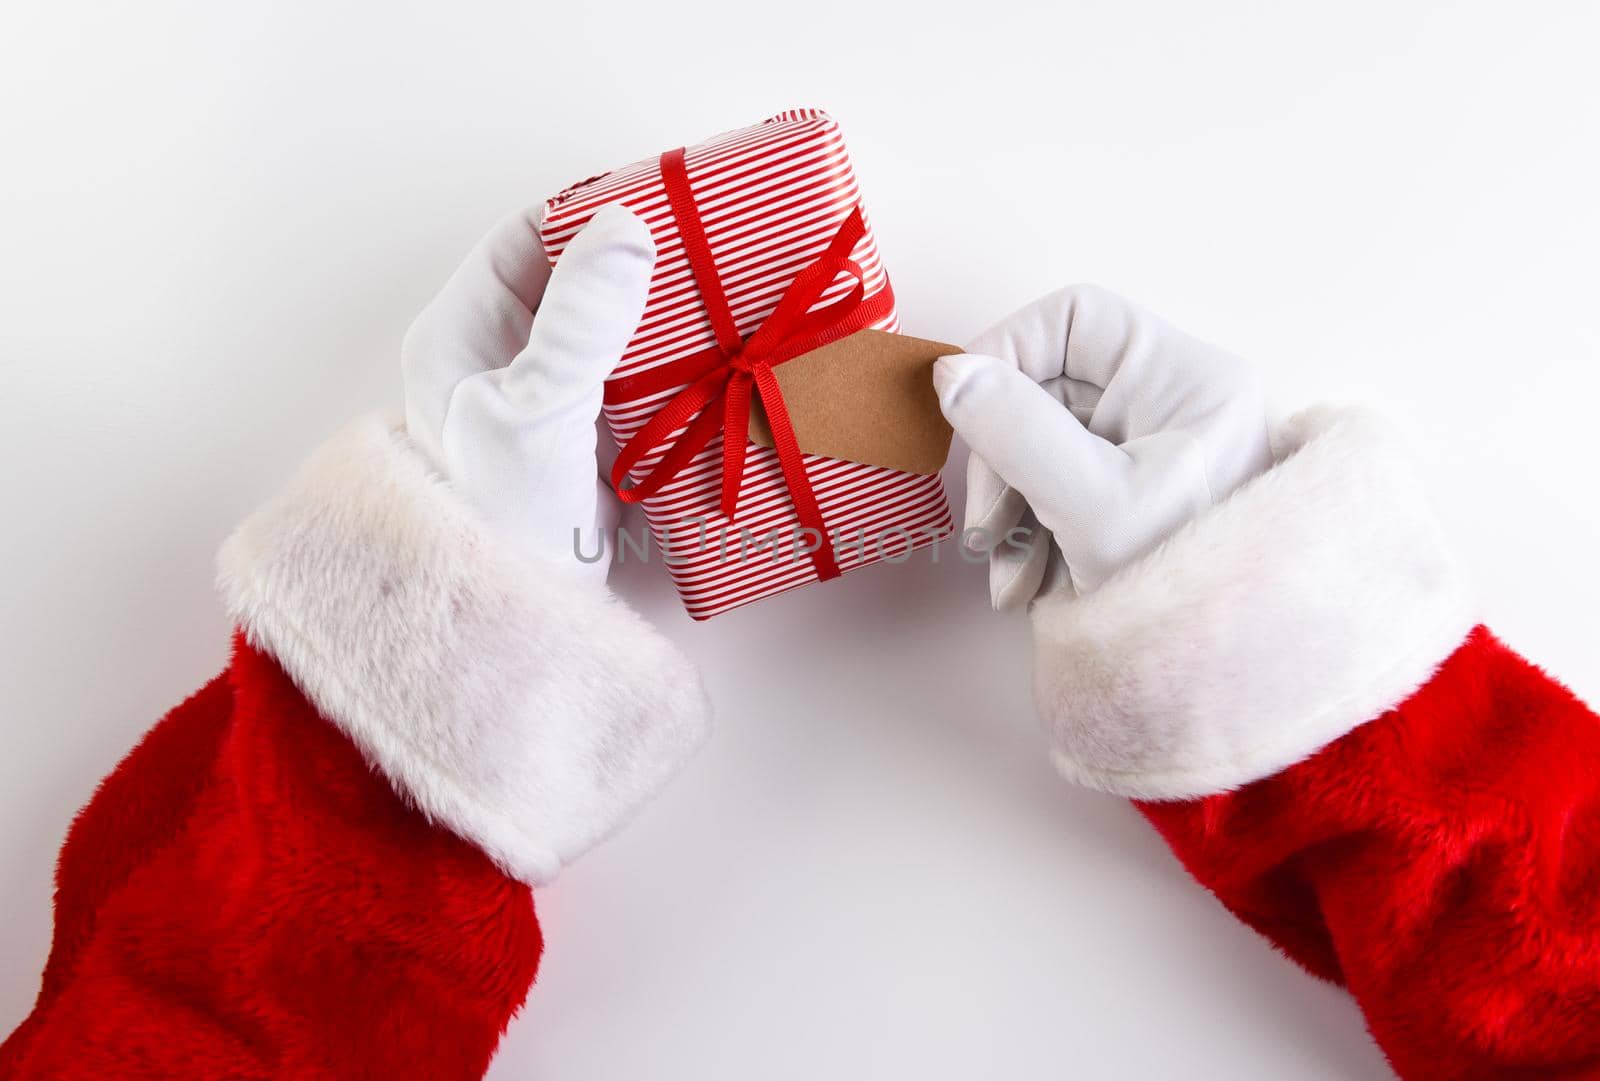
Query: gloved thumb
(1104, 504)
(590, 310)
(1031, 440)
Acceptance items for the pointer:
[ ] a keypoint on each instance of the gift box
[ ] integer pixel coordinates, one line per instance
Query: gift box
(764, 255)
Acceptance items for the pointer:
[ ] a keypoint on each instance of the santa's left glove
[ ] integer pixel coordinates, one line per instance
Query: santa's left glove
(433, 587)
(1211, 603)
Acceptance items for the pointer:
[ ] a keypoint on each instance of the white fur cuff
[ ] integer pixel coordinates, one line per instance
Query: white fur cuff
(1314, 599)
(525, 710)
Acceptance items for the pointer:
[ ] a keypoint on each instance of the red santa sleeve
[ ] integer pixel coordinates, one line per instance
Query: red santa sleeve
(1294, 689)
(320, 864)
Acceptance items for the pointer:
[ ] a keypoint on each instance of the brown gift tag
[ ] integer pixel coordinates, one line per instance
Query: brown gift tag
(865, 398)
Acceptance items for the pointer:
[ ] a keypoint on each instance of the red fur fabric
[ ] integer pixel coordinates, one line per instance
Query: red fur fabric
(1443, 862)
(243, 898)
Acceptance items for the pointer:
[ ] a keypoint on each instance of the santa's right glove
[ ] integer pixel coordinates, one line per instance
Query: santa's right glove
(433, 586)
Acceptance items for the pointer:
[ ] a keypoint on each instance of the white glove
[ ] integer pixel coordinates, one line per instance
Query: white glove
(504, 402)
(1157, 426)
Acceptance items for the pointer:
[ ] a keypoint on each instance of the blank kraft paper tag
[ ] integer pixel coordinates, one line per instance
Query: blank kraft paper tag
(867, 398)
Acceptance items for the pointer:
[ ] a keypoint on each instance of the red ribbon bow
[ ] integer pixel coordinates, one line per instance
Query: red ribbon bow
(718, 397)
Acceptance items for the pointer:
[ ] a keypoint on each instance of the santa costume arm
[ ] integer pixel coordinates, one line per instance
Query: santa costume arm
(320, 864)
(1273, 652)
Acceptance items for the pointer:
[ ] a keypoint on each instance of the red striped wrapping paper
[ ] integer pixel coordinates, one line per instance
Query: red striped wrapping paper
(771, 196)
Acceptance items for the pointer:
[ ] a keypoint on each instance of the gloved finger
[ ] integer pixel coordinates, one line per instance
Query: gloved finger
(1129, 376)
(477, 322)
(1017, 564)
(999, 522)
(997, 515)
(1031, 442)
(993, 506)
(591, 308)
(1097, 348)
(1035, 338)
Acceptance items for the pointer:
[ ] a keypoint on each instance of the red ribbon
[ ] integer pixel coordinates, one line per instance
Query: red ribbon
(718, 397)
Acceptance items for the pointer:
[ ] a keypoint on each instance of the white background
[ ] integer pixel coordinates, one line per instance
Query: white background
(217, 219)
